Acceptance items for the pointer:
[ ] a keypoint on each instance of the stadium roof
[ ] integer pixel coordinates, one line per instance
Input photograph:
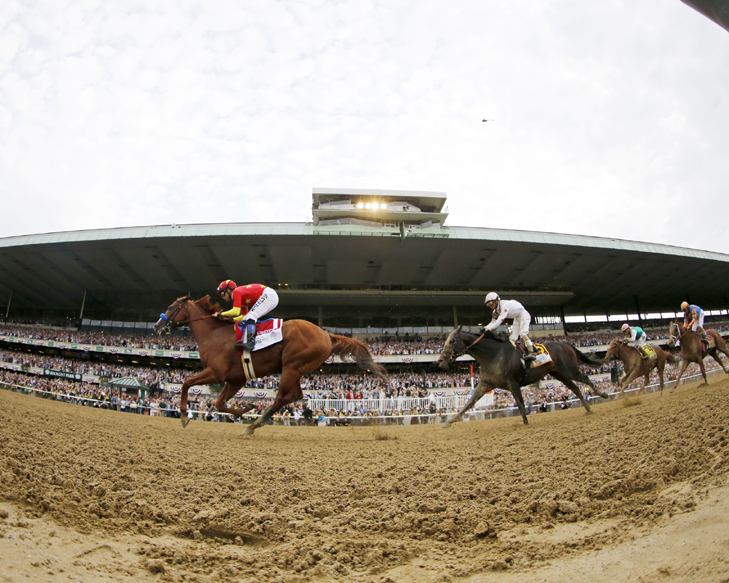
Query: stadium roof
(136, 272)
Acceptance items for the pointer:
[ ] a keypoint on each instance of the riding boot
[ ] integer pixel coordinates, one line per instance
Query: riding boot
(701, 332)
(529, 355)
(240, 344)
(250, 338)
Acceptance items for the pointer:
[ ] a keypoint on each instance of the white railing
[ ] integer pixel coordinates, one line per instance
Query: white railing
(389, 405)
(396, 415)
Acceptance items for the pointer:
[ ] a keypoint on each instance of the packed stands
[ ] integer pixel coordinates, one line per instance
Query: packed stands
(336, 396)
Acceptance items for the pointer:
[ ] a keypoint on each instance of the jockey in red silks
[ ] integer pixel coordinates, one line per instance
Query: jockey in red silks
(250, 303)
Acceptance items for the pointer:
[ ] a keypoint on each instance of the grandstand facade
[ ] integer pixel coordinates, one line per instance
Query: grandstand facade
(369, 260)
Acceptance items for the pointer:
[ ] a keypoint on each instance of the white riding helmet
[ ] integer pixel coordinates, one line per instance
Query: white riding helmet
(684, 305)
(625, 327)
(491, 297)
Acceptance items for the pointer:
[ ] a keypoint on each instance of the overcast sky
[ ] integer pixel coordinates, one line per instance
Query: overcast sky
(609, 118)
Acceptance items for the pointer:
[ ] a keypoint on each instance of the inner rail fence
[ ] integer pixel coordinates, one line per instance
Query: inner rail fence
(377, 411)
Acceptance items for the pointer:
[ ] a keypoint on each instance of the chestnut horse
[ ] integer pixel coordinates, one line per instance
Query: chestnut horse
(501, 367)
(635, 365)
(692, 349)
(304, 348)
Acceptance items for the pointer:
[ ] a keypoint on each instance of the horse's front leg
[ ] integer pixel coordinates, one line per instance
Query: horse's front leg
(703, 371)
(627, 379)
(684, 364)
(207, 376)
(478, 392)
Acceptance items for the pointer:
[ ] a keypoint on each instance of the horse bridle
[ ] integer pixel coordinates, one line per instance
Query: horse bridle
(176, 324)
(673, 338)
(456, 355)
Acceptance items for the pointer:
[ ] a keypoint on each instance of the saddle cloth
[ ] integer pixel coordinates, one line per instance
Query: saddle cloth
(543, 356)
(648, 350)
(268, 332)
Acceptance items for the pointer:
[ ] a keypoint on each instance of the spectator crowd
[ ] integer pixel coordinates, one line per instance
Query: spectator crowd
(410, 393)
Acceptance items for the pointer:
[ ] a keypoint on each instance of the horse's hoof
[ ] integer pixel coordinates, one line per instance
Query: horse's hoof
(185, 421)
(248, 431)
(446, 425)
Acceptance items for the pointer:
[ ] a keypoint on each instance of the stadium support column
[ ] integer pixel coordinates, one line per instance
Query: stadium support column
(455, 317)
(564, 322)
(321, 316)
(83, 305)
(637, 307)
(10, 301)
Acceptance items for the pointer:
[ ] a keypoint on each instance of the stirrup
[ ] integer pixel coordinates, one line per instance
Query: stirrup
(530, 356)
(240, 346)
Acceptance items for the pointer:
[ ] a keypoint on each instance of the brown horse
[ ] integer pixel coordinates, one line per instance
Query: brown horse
(692, 349)
(304, 348)
(635, 365)
(502, 368)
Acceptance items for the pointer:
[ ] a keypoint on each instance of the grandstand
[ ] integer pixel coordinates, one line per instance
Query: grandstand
(380, 265)
(354, 269)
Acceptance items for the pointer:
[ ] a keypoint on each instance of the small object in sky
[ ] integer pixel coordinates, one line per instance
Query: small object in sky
(487, 120)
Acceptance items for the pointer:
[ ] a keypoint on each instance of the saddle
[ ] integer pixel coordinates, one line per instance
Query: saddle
(540, 351)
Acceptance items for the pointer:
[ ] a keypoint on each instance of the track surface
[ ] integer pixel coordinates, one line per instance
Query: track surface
(98, 495)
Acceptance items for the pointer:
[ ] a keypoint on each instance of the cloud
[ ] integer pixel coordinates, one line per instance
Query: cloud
(608, 118)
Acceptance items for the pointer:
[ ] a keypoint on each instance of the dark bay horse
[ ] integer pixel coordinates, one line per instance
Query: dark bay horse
(501, 367)
(635, 365)
(304, 348)
(692, 349)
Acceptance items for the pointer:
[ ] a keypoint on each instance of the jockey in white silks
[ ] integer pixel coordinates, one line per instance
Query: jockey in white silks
(503, 309)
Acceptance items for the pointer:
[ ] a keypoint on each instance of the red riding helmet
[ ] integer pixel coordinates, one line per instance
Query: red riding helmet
(228, 284)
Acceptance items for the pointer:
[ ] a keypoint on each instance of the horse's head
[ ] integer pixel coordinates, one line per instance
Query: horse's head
(176, 315)
(613, 350)
(674, 333)
(452, 349)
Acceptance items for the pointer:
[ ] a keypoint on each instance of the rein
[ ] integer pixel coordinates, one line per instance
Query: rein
(166, 319)
(465, 350)
(473, 343)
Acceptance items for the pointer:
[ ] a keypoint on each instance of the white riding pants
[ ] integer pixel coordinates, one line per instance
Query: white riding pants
(699, 322)
(267, 302)
(640, 341)
(520, 328)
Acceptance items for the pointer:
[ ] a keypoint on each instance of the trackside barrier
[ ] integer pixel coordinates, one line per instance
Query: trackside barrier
(389, 405)
(398, 418)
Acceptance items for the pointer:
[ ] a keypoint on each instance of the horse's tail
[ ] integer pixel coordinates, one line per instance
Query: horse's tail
(671, 358)
(344, 346)
(587, 359)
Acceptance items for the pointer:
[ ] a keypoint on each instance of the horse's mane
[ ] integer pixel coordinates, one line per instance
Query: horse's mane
(499, 336)
(205, 304)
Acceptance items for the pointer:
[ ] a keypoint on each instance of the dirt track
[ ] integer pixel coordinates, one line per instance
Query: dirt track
(97, 495)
